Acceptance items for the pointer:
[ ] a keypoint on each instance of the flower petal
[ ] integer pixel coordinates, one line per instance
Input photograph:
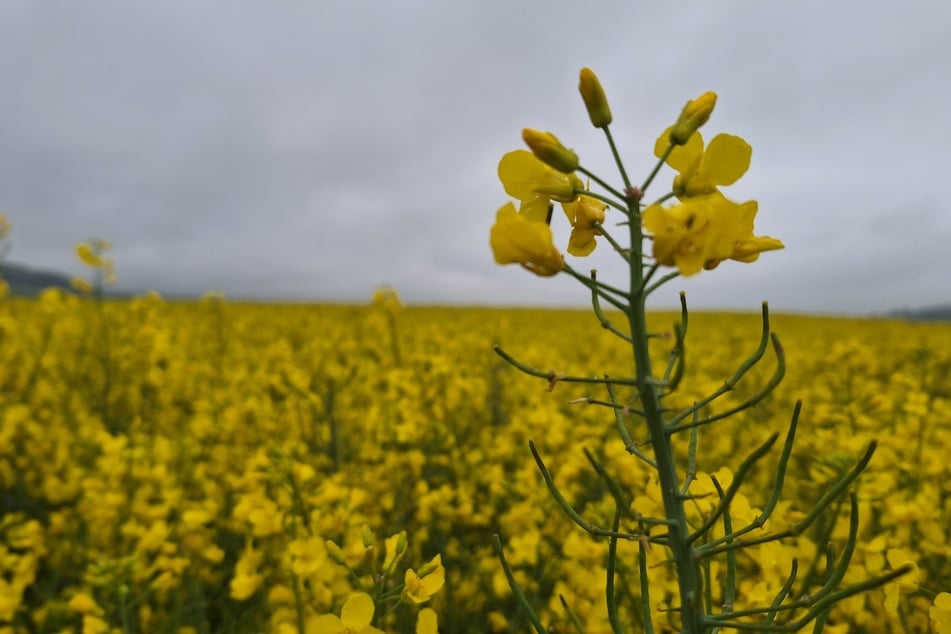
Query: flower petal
(357, 612)
(725, 160)
(683, 157)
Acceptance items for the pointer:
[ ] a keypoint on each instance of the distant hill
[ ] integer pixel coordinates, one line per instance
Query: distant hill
(29, 282)
(930, 313)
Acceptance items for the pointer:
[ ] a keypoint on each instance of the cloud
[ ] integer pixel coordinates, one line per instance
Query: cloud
(315, 150)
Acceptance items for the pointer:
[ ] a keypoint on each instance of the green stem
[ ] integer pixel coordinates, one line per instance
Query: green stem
(517, 590)
(624, 253)
(656, 169)
(617, 158)
(688, 569)
(609, 589)
(600, 182)
(605, 199)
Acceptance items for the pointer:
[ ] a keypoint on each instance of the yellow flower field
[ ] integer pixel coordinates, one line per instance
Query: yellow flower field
(180, 467)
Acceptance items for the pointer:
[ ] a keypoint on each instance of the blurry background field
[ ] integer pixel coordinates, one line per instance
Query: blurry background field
(146, 447)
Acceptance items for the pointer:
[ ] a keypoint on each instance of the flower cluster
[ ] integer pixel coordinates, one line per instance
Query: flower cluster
(92, 254)
(698, 233)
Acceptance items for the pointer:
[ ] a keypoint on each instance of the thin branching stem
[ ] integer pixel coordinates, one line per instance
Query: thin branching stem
(770, 385)
(599, 288)
(660, 162)
(568, 509)
(606, 186)
(611, 572)
(833, 493)
(734, 487)
(617, 157)
(605, 322)
(553, 377)
(624, 253)
(571, 615)
(517, 590)
(760, 520)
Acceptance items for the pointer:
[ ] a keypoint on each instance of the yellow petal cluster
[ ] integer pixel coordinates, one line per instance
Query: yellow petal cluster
(583, 213)
(356, 617)
(702, 170)
(419, 588)
(517, 238)
(701, 232)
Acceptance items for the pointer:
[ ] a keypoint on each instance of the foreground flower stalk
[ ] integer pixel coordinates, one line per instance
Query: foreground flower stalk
(699, 524)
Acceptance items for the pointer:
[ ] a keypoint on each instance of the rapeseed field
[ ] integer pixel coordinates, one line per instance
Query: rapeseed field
(224, 467)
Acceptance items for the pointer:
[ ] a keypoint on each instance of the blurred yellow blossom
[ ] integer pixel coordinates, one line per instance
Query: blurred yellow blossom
(81, 286)
(898, 557)
(420, 589)
(516, 239)
(86, 255)
(940, 613)
(387, 299)
(247, 578)
(583, 213)
(355, 617)
(427, 622)
(395, 547)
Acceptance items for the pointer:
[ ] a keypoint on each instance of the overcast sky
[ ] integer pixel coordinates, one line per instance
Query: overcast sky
(315, 150)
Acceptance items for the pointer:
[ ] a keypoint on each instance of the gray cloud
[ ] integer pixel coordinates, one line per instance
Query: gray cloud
(315, 150)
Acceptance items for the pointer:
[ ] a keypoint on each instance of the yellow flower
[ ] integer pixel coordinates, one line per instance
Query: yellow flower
(427, 622)
(418, 589)
(4, 288)
(246, 579)
(83, 603)
(4, 225)
(550, 151)
(516, 238)
(81, 286)
(526, 178)
(306, 555)
(582, 214)
(748, 249)
(940, 613)
(723, 162)
(88, 256)
(595, 101)
(355, 618)
(694, 115)
(898, 557)
(701, 232)
(387, 299)
(394, 547)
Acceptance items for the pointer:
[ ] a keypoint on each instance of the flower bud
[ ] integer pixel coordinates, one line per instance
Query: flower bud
(335, 552)
(594, 98)
(694, 115)
(550, 151)
(367, 537)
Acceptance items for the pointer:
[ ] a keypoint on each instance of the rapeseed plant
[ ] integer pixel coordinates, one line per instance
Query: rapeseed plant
(691, 527)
